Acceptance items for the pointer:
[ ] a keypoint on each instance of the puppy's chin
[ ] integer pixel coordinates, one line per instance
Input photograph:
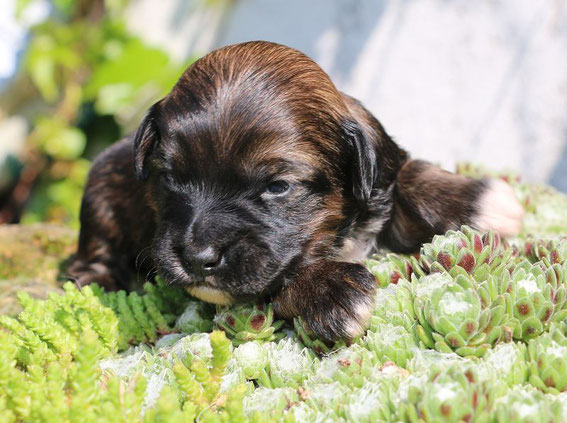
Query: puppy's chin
(210, 295)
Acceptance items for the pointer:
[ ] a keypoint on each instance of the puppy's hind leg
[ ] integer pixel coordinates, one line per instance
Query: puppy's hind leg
(429, 201)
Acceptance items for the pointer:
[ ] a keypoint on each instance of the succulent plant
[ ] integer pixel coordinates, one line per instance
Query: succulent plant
(195, 345)
(270, 402)
(550, 251)
(534, 298)
(394, 304)
(525, 404)
(197, 317)
(249, 323)
(371, 403)
(288, 365)
(306, 336)
(451, 395)
(350, 366)
(391, 343)
(547, 355)
(323, 397)
(390, 269)
(505, 362)
(251, 358)
(465, 252)
(452, 316)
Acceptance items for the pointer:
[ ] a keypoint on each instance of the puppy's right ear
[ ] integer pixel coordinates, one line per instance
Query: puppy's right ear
(145, 142)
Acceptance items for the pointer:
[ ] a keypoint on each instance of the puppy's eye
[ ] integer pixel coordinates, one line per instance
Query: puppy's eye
(166, 178)
(277, 187)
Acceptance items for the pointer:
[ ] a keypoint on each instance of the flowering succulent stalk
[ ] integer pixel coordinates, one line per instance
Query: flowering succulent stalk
(249, 323)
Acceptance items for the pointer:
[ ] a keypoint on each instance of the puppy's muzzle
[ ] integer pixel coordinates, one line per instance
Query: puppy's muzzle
(202, 261)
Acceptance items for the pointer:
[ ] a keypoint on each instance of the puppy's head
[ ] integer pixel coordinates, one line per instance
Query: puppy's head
(254, 167)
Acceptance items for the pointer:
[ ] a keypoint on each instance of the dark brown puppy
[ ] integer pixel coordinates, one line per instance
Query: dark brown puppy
(255, 177)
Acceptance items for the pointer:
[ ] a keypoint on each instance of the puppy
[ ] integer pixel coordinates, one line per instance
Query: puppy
(255, 177)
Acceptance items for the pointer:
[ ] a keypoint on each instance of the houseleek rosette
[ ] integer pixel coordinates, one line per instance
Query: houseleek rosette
(466, 251)
(371, 403)
(452, 395)
(391, 268)
(506, 362)
(306, 336)
(525, 404)
(394, 305)
(547, 358)
(351, 367)
(452, 316)
(251, 358)
(548, 251)
(249, 323)
(289, 363)
(535, 296)
(197, 317)
(391, 343)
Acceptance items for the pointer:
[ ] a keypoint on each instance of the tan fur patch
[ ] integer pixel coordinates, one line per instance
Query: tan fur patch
(210, 295)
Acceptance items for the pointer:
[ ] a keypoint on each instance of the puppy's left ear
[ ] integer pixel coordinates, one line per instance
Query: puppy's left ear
(145, 141)
(364, 168)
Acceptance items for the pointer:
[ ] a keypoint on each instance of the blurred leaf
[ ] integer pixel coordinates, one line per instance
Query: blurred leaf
(65, 7)
(21, 6)
(114, 84)
(60, 140)
(41, 66)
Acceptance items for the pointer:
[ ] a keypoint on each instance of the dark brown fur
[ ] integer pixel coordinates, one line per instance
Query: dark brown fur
(194, 180)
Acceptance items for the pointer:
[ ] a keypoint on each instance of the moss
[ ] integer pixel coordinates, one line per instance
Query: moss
(31, 260)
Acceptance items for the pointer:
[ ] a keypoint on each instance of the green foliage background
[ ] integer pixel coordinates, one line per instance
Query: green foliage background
(94, 80)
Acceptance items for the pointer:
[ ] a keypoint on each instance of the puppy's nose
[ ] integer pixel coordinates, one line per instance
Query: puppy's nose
(204, 261)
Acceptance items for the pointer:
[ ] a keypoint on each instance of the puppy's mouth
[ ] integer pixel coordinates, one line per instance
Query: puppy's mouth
(206, 292)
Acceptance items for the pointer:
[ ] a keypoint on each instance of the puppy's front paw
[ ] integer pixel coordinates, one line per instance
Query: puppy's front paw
(334, 298)
(499, 209)
(84, 274)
